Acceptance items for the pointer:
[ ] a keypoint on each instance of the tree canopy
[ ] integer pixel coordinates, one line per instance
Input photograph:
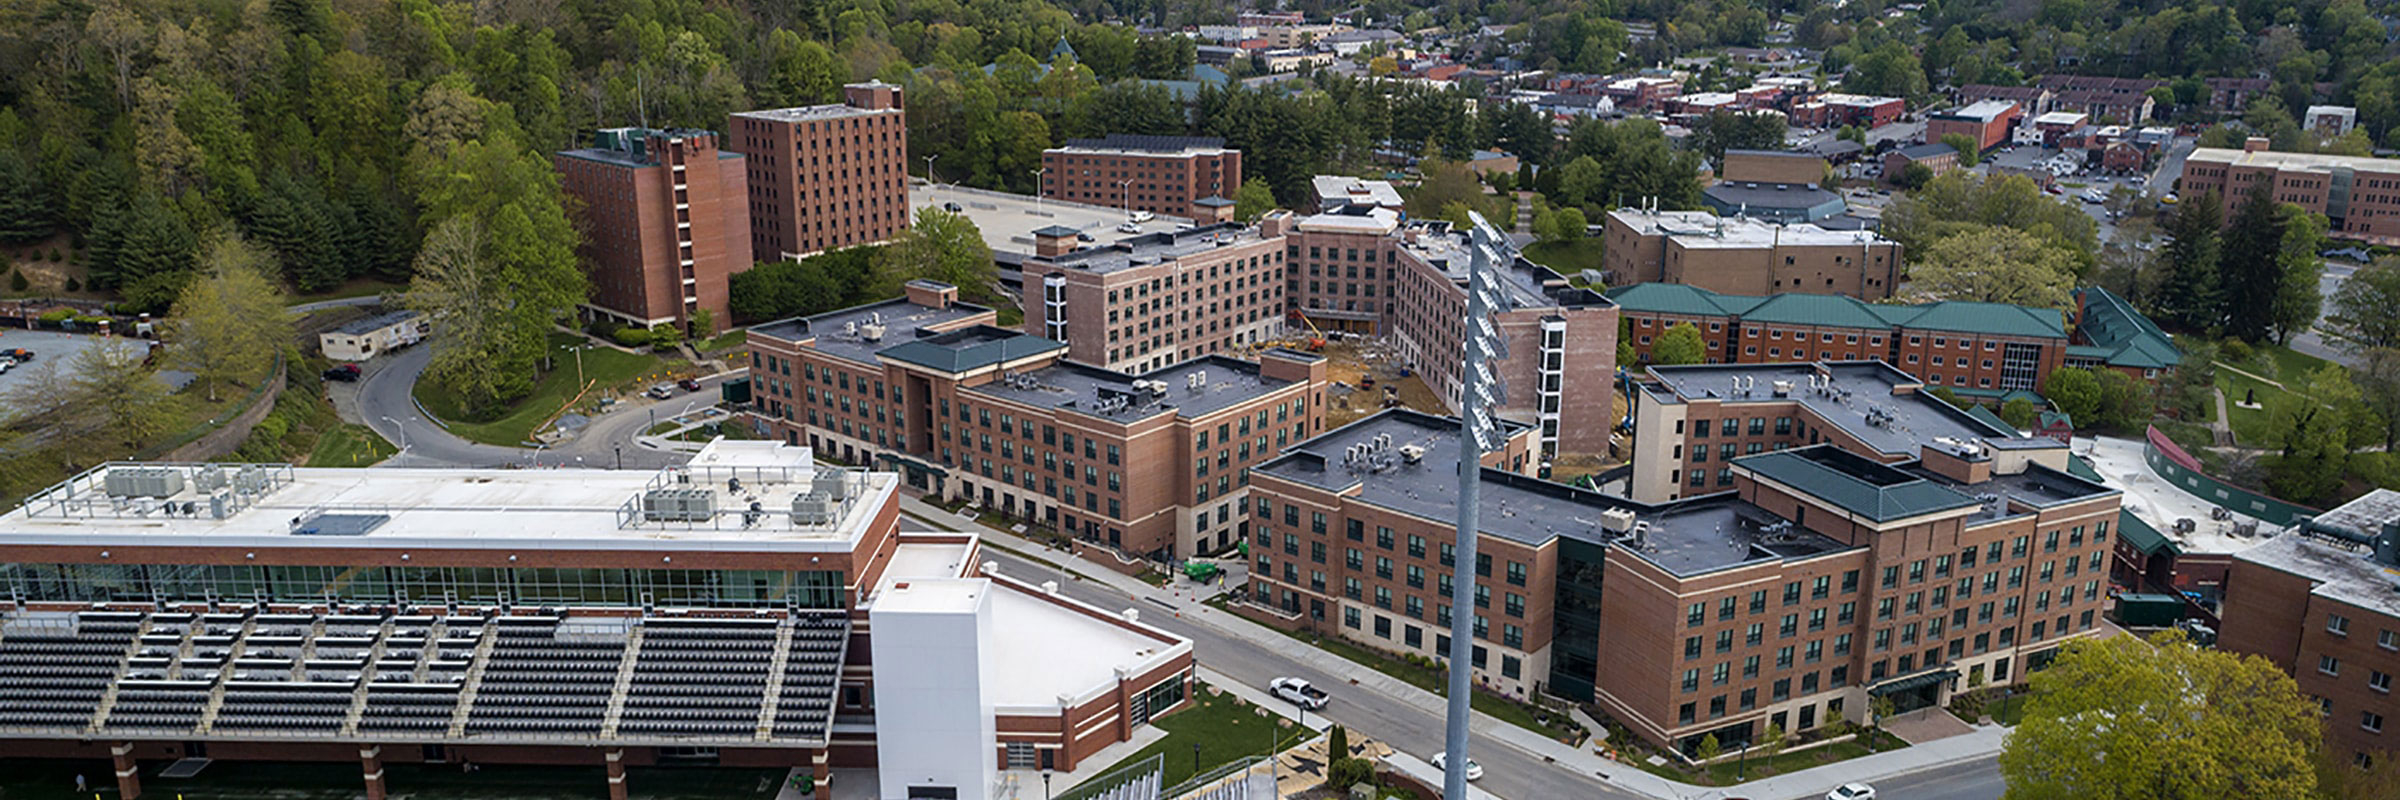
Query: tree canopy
(2127, 719)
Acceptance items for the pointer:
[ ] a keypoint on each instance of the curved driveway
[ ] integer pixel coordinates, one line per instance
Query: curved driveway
(385, 401)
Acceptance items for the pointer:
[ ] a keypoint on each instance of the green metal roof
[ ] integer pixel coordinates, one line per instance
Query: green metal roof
(2080, 468)
(1999, 319)
(1981, 412)
(1829, 309)
(969, 348)
(2143, 537)
(1814, 309)
(2056, 417)
(1668, 298)
(1856, 484)
(2120, 335)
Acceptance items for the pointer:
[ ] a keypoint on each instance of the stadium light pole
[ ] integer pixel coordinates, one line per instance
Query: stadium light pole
(1480, 391)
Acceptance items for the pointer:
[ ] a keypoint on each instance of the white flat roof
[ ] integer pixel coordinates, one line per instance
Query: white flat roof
(1346, 189)
(2160, 502)
(383, 507)
(1045, 650)
(1702, 230)
(2061, 118)
(914, 560)
(934, 596)
(1380, 220)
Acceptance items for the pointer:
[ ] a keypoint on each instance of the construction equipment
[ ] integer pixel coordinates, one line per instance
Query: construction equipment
(1316, 337)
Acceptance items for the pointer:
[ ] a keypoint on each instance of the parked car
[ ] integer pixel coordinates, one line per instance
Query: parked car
(17, 354)
(689, 384)
(343, 372)
(5, 364)
(660, 392)
(953, 207)
(1851, 791)
(1299, 692)
(2054, 189)
(1129, 227)
(1083, 237)
(1474, 770)
(1142, 216)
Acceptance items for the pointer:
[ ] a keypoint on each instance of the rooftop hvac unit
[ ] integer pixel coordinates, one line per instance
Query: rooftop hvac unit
(142, 481)
(832, 483)
(210, 478)
(679, 505)
(872, 332)
(1783, 388)
(1412, 452)
(1619, 520)
(813, 508)
(250, 478)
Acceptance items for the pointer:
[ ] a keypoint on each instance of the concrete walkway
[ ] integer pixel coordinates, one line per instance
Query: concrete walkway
(2222, 426)
(1983, 743)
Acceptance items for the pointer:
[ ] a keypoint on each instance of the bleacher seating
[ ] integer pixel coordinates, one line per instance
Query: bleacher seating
(812, 673)
(54, 675)
(699, 677)
(537, 684)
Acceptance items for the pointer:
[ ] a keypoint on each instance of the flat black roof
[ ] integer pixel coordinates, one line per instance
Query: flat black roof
(1687, 537)
(901, 320)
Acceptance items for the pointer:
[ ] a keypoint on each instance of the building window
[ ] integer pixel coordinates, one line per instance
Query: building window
(2329, 665)
(2337, 624)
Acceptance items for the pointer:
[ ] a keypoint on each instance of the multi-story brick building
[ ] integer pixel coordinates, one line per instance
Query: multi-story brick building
(1154, 463)
(1737, 255)
(664, 226)
(1834, 109)
(1987, 123)
(2034, 100)
(2359, 196)
(2121, 100)
(1147, 301)
(1985, 350)
(825, 177)
(2319, 603)
(1811, 582)
(1362, 269)
(1160, 174)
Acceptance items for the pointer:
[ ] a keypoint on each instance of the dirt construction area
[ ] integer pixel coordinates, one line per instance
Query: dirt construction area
(1365, 374)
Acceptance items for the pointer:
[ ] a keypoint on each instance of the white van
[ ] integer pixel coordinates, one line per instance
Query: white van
(1142, 216)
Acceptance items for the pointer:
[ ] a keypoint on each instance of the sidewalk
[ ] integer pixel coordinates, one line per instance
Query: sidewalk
(1178, 595)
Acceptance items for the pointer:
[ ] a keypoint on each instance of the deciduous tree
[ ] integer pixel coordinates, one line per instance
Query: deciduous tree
(1679, 344)
(230, 321)
(2366, 310)
(2125, 719)
(1253, 200)
(2075, 391)
(940, 246)
(1993, 264)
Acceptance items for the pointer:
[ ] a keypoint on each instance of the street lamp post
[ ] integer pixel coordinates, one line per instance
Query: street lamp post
(1038, 175)
(620, 448)
(1045, 784)
(1477, 433)
(930, 183)
(1125, 194)
(403, 429)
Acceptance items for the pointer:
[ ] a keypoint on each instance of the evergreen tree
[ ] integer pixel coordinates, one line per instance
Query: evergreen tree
(2188, 294)
(293, 221)
(145, 241)
(24, 201)
(2248, 269)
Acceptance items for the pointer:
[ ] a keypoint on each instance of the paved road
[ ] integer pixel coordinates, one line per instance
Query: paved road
(387, 406)
(2314, 343)
(367, 300)
(1509, 773)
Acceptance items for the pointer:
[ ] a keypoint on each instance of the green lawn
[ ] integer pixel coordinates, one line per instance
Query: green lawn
(1722, 773)
(2007, 710)
(356, 288)
(340, 781)
(1226, 729)
(2292, 366)
(350, 446)
(1566, 258)
(2249, 425)
(731, 338)
(603, 368)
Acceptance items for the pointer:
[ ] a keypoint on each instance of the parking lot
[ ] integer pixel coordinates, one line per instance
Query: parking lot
(1008, 220)
(55, 354)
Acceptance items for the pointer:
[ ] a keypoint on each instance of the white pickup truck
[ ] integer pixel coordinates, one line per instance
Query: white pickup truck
(1299, 692)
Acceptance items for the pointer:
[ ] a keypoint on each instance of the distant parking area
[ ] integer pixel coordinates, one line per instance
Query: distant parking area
(59, 349)
(1008, 220)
